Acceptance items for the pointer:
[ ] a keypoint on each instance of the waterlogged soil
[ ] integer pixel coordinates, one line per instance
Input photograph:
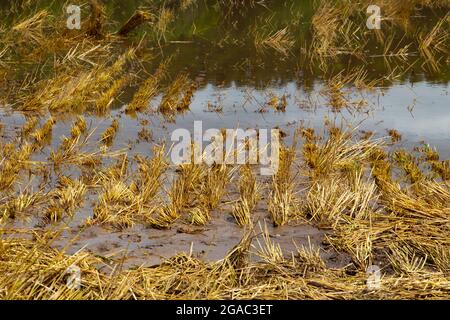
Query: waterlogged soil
(141, 246)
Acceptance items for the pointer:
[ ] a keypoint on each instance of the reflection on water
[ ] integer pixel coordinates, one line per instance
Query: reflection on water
(216, 47)
(420, 112)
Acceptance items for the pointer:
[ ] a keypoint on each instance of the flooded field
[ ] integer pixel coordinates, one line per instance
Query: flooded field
(92, 95)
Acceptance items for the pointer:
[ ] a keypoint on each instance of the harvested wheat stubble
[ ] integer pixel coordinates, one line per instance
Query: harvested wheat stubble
(373, 204)
(369, 215)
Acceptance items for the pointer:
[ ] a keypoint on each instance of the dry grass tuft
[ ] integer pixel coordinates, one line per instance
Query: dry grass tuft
(283, 203)
(178, 96)
(110, 133)
(280, 41)
(147, 90)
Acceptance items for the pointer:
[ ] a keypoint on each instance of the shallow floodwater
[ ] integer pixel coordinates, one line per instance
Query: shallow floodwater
(235, 84)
